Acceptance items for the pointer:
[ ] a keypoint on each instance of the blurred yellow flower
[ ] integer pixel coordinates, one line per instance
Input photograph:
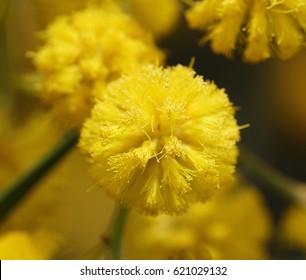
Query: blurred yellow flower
(161, 139)
(84, 51)
(157, 16)
(21, 245)
(233, 225)
(293, 227)
(264, 27)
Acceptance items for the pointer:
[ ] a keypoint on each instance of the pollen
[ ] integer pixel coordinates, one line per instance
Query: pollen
(261, 28)
(161, 138)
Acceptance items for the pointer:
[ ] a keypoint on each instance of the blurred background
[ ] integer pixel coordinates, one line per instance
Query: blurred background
(270, 97)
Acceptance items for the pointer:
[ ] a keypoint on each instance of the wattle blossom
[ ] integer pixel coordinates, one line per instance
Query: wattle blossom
(161, 138)
(261, 28)
(85, 50)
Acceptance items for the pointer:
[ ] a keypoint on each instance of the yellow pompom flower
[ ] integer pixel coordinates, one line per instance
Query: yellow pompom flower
(22, 245)
(263, 27)
(84, 51)
(293, 227)
(161, 139)
(234, 225)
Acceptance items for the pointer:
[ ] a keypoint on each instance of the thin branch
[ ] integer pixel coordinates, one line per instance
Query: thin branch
(117, 233)
(252, 165)
(110, 245)
(16, 192)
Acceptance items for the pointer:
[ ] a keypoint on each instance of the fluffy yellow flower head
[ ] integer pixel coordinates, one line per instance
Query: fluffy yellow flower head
(214, 230)
(263, 27)
(293, 227)
(86, 50)
(22, 245)
(162, 138)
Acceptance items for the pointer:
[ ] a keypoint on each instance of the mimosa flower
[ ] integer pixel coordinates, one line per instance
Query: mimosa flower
(161, 139)
(84, 51)
(22, 245)
(293, 227)
(214, 230)
(264, 28)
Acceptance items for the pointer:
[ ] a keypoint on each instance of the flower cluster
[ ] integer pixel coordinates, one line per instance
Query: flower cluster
(83, 52)
(157, 138)
(214, 230)
(263, 27)
(162, 138)
(21, 245)
(293, 227)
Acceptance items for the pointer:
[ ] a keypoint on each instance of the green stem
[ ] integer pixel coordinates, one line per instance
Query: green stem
(110, 245)
(116, 233)
(97, 252)
(19, 189)
(252, 165)
(113, 235)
